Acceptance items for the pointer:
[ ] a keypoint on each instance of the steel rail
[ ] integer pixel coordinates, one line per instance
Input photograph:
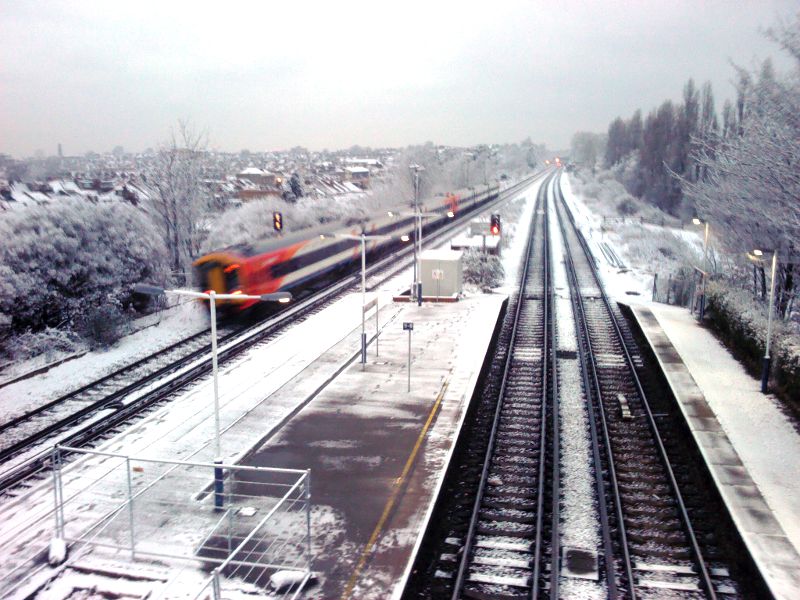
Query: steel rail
(548, 361)
(591, 383)
(97, 382)
(555, 517)
(700, 562)
(470, 537)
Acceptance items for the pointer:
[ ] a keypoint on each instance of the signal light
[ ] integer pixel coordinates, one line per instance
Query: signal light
(277, 221)
(494, 228)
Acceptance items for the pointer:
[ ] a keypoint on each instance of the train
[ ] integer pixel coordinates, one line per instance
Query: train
(290, 262)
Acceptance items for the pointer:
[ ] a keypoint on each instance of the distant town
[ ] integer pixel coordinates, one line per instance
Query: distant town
(231, 178)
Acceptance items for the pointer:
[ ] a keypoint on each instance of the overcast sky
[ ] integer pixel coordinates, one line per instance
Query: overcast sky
(271, 75)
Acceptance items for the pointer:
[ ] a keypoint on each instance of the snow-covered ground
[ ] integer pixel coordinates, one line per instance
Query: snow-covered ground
(176, 323)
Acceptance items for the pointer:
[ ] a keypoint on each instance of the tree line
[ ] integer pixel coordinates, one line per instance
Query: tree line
(739, 170)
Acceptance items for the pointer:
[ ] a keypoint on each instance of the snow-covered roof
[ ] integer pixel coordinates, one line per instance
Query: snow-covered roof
(354, 170)
(254, 171)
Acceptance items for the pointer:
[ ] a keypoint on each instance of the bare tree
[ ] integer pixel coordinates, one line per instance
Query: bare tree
(181, 199)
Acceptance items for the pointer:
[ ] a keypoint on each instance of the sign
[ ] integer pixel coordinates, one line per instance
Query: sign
(371, 304)
(407, 326)
(437, 274)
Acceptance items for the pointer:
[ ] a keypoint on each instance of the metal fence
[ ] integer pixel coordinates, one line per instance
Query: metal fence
(677, 290)
(239, 525)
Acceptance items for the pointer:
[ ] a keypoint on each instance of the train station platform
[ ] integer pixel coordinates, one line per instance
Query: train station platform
(751, 449)
(377, 452)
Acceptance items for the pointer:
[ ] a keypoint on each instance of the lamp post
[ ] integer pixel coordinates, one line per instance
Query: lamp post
(212, 298)
(363, 238)
(416, 289)
(697, 221)
(415, 170)
(765, 364)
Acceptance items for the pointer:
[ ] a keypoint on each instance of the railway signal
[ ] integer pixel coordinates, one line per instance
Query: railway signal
(277, 221)
(494, 228)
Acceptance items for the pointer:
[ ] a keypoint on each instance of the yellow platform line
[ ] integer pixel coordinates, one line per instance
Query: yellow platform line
(398, 485)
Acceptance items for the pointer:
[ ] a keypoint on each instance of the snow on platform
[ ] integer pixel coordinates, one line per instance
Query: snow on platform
(751, 449)
(377, 453)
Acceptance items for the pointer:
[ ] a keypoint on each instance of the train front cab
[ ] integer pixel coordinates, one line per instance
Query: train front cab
(221, 273)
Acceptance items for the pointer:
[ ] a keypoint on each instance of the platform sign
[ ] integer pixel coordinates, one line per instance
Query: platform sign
(437, 274)
(409, 327)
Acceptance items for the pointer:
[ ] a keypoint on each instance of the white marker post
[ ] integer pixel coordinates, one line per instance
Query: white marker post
(409, 327)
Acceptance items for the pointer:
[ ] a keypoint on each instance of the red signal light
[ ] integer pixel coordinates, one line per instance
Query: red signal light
(494, 226)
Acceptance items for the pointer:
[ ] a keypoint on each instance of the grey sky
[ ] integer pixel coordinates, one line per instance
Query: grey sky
(264, 75)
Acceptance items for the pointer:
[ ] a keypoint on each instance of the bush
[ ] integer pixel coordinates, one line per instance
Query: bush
(49, 343)
(58, 259)
(741, 324)
(627, 207)
(484, 270)
(103, 326)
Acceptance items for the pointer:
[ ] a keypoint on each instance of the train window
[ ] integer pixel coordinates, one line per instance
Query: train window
(232, 279)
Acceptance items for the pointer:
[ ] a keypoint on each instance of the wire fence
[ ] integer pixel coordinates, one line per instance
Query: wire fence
(246, 528)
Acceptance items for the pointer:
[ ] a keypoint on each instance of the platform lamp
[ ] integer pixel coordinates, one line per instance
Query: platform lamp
(212, 297)
(364, 238)
(767, 360)
(698, 221)
(417, 287)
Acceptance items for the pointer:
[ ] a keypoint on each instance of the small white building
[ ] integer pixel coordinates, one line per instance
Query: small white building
(442, 274)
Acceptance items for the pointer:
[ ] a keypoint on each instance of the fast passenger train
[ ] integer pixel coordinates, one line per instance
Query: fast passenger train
(289, 262)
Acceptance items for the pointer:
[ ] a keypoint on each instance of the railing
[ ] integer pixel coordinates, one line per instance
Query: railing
(250, 527)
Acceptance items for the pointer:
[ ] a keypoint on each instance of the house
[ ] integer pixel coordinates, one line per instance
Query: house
(258, 177)
(357, 175)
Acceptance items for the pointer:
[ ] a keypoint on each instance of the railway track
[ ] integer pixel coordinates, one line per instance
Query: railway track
(650, 546)
(502, 549)
(504, 527)
(440, 560)
(86, 415)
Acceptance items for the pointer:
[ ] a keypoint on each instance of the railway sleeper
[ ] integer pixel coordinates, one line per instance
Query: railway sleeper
(495, 558)
(518, 453)
(667, 523)
(506, 529)
(508, 501)
(652, 550)
(500, 490)
(646, 501)
(505, 577)
(490, 593)
(685, 585)
(510, 476)
(512, 514)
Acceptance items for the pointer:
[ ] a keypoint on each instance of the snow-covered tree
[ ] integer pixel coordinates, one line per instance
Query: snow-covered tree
(751, 188)
(181, 199)
(61, 262)
(587, 147)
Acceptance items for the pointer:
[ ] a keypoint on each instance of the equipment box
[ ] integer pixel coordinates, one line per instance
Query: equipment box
(442, 274)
